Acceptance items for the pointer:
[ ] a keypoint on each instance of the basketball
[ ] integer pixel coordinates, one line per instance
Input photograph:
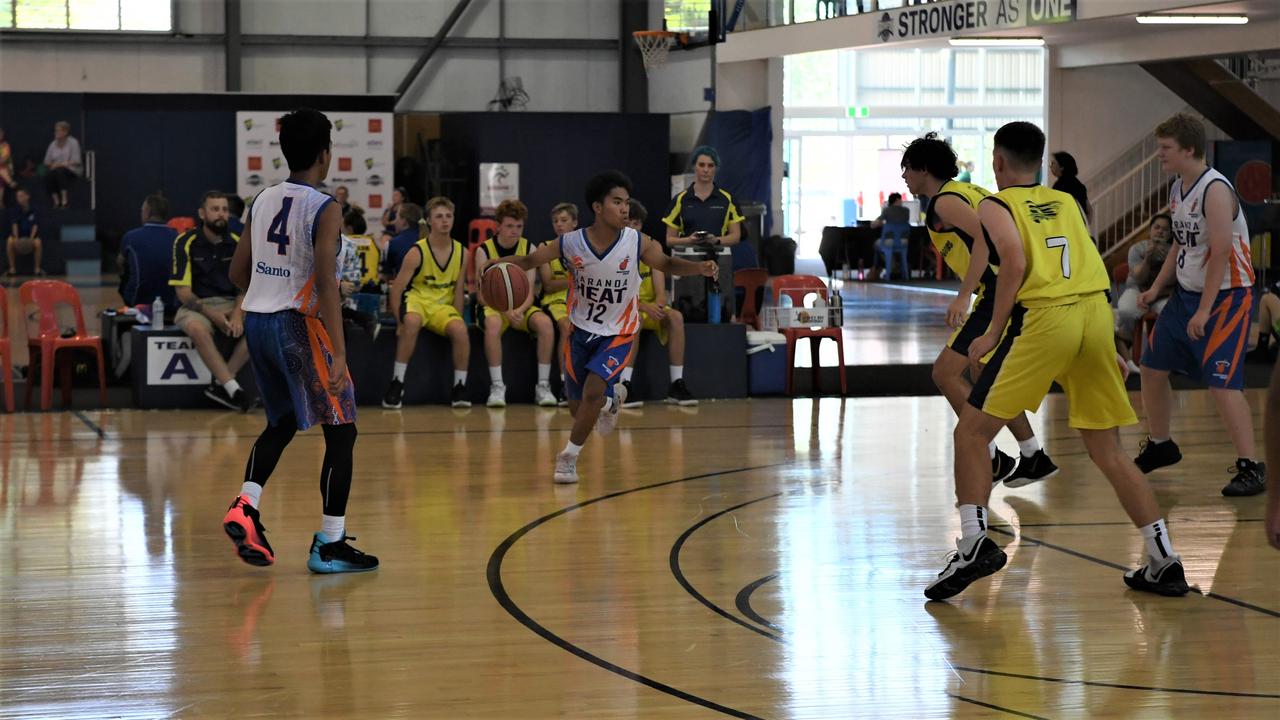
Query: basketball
(505, 286)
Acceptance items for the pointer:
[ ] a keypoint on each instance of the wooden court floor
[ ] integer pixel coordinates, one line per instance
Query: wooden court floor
(757, 558)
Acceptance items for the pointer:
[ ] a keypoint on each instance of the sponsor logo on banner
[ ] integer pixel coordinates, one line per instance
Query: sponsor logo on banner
(375, 125)
(253, 143)
(276, 163)
(963, 17)
(248, 123)
(375, 201)
(498, 182)
(255, 162)
(254, 180)
(346, 144)
(370, 163)
(175, 361)
(337, 124)
(373, 144)
(344, 164)
(374, 180)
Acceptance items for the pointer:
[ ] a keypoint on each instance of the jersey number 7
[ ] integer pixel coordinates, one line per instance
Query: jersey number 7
(1061, 242)
(278, 232)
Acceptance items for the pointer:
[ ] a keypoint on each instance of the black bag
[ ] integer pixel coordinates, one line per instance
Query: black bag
(779, 255)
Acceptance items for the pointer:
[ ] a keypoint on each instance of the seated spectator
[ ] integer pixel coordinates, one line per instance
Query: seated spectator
(390, 214)
(352, 271)
(7, 178)
(24, 233)
(62, 160)
(555, 281)
(210, 301)
(895, 219)
(235, 214)
(146, 257)
(428, 293)
(511, 215)
(343, 196)
(662, 319)
(1146, 257)
(405, 234)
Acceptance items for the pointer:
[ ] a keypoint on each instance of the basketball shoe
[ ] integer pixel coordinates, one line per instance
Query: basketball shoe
(566, 469)
(678, 394)
(608, 418)
(1031, 469)
(632, 401)
(1002, 466)
(338, 557)
(973, 559)
(543, 396)
(395, 395)
(1155, 455)
(458, 397)
(244, 526)
(1169, 580)
(1250, 478)
(497, 396)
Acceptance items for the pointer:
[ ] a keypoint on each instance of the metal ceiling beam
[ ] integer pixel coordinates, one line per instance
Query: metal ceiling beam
(431, 48)
(353, 41)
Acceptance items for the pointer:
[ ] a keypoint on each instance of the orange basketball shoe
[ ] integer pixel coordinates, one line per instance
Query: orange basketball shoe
(245, 530)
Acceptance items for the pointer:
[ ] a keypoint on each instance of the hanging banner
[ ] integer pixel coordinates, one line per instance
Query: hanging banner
(498, 182)
(968, 17)
(362, 158)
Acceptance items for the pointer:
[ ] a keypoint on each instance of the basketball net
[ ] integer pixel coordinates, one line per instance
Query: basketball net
(654, 45)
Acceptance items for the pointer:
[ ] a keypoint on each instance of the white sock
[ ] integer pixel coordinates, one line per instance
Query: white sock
(572, 449)
(991, 449)
(1030, 446)
(973, 521)
(544, 373)
(253, 490)
(677, 372)
(231, 386)
(459, 377)
(1159, 548)
(397, 371)
(495, 374)
(626, 374)
(1156, 440)
(332, 528)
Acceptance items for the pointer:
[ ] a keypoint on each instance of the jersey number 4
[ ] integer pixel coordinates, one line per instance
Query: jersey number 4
(278, 232)
(1061, 242)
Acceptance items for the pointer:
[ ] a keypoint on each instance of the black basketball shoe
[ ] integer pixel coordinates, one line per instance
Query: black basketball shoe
(1155, 455)
(981, 558)
(1032, 470)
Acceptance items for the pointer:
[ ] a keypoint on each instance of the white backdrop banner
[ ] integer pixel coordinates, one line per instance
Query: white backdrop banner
(498, 182)
(362, 158)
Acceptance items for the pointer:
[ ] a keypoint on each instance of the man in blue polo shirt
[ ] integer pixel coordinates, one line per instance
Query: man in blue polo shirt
(23, 226)
(146, 255)
(406, 236)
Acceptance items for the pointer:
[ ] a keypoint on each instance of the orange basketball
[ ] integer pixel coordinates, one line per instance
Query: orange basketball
(505, 286)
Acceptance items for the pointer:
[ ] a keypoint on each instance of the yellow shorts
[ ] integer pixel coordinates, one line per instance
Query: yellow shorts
(558, 310)
(435, 316)
(528, 313)
(656, 325)
(1072, 344)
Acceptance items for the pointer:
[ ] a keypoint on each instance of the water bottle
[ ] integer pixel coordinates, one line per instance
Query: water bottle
(786, 316)
(157, 314)
(819, 312)
(713, 308)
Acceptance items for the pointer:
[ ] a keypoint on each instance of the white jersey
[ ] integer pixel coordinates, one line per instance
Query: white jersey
(604, 290)
(1191, 231)
(282, 222)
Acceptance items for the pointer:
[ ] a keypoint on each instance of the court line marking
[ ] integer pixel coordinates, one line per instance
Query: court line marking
(1083, 556)
(493, 574)
(743, 601)
(673, 559)
(1119, 686)
(89, 423)
(996, 707)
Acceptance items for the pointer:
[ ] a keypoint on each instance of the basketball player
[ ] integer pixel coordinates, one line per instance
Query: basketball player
(555, 281)
(1051, 293)
(428, 292)
(287, 263)
(603, 260)
(661, 318)
(928, 167)
(1203, 329)
(356, 229)
(509, 242)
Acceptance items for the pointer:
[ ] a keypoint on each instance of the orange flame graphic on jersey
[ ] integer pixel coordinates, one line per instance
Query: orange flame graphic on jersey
(623, 265)
(577, 262)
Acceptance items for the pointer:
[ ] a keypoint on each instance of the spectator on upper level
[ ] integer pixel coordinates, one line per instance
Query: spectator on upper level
(1063, 166)
(406, 234)
(146, 256)
(24, 233)
(63, 164)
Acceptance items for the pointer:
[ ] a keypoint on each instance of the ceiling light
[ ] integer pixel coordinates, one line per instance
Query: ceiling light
(1192, 19)
(1005, 42)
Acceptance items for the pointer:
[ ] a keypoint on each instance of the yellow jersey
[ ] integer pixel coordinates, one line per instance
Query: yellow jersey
(1063, 264)
(647, 293)
(433, 282)
(493, 250)
(953, 244)
(370, 259)
(558, 272)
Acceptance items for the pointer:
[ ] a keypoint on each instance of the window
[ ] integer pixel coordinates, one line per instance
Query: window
(156, 15)
(686, 15)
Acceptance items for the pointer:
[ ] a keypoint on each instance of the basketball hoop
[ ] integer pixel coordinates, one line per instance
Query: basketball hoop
(654, 45)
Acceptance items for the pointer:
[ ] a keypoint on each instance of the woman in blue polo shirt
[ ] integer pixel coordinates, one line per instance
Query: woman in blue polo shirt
(704, 206)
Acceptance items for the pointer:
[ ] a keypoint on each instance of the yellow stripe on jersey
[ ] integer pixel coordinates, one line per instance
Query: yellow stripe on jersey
(953, 244)
(1063, 264)
(647, 293)
(558, 272)
(370, 258)
(491, 249)
(432, 282)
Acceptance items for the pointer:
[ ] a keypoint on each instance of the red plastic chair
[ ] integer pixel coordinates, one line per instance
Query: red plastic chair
(1120, 274)
(46, 295)
(181, 223)
(6, 354)
(479, 230)
(797, 287)
(751, 280)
